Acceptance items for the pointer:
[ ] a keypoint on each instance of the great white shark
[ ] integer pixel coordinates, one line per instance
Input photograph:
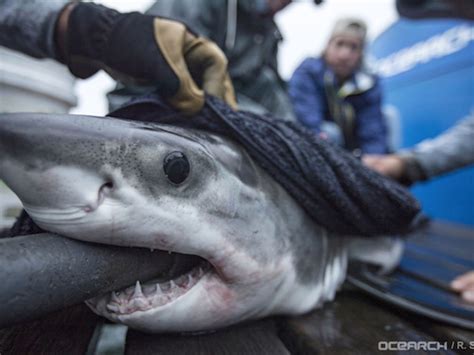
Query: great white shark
(157, 186)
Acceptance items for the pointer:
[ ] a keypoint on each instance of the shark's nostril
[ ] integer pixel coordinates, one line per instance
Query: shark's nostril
(105, 190)
(108, 186)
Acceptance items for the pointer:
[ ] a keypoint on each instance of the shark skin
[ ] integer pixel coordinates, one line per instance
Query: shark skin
(157, 186)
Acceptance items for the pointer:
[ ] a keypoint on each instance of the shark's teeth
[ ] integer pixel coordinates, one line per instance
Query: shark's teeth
(113, 308)
(165, 286)
(149, 290)
(140, 303)
(138, 291)
(183, 280)
(143, 298)
(115, 298)
(129, 292)
(158, 291)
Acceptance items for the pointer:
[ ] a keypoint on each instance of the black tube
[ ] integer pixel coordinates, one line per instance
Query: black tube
(42, 273)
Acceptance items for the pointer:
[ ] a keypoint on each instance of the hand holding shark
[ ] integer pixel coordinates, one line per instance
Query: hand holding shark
(144, 50)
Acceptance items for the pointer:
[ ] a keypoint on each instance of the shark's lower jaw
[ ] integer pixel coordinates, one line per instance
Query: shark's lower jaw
(152, 295)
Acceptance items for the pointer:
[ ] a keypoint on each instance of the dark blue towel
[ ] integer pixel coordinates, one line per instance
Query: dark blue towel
(334, 188)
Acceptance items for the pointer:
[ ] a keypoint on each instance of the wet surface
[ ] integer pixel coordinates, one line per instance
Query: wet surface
(421, 283)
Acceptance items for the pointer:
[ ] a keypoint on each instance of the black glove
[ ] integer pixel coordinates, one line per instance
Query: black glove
(142, 50)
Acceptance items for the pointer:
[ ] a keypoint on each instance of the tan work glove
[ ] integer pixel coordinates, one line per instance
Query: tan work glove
(186, 54)
(141, 49)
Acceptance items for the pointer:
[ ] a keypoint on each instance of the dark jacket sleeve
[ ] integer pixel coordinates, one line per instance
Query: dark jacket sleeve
(371, 126)
(205, 17)
(28, 26)
(307, 95)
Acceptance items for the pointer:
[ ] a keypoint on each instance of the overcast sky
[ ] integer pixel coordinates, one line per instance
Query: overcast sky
(305, 28)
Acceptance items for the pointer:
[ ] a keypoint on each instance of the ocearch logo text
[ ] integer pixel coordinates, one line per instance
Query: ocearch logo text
(448, 42)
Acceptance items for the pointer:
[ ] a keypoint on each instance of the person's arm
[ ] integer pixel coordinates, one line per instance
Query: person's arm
(141, 49)
(29, 26)
(131, 47)
(205, 17)
(307, 97)
(449, 151)
(371, 128)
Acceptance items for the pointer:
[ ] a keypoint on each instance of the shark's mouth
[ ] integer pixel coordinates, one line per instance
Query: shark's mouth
(155, 293)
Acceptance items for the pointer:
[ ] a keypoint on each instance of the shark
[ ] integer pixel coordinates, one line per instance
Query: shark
(187, 191)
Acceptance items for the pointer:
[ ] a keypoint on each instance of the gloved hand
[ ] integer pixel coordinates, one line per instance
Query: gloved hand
(142, 50)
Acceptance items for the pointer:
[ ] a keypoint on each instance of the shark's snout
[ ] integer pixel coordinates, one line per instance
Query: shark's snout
(62, 167)
(39, 140)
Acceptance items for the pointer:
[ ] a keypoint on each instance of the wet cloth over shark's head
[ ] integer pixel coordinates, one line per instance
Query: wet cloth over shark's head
(332, 185)
(258, 217)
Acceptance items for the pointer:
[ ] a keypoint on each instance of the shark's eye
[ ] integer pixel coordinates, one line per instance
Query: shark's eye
(176, 167)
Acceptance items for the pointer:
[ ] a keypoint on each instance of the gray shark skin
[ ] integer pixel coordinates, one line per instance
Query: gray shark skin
(104, 180)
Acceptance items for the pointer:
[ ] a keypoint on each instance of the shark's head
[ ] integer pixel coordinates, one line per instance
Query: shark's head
(155, 186)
